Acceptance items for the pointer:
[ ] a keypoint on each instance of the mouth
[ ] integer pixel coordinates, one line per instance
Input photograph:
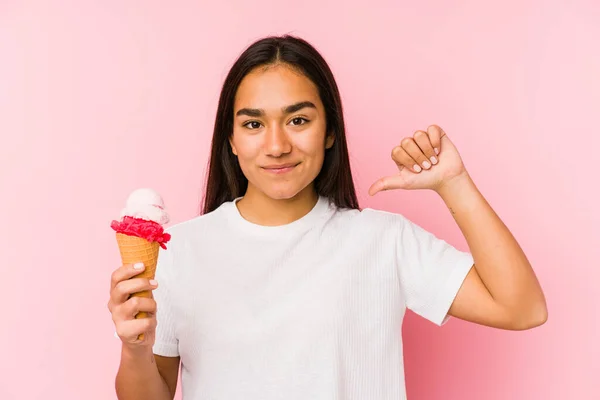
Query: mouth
(280, 169)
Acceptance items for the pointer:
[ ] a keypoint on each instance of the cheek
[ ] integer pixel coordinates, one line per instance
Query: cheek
(246, 148)
(312, 145)
(312, 142)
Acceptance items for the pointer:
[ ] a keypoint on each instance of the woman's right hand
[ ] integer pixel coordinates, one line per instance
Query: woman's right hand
(123, 307)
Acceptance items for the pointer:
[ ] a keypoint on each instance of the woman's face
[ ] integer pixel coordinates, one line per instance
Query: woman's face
(279, 131)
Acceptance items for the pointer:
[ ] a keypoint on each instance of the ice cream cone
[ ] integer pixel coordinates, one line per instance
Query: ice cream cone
(140, 234)
(133, 250)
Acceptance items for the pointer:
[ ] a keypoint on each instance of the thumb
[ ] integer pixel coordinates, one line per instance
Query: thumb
(387, 183)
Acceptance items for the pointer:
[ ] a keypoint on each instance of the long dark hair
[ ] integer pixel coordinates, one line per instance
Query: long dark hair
(225, 180)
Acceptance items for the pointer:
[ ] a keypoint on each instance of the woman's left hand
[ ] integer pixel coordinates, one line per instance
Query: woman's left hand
(428, 160)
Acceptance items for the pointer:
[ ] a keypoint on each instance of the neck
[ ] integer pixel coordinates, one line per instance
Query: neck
(258, 208)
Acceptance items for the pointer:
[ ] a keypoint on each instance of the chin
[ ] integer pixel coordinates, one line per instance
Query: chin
(282, 193)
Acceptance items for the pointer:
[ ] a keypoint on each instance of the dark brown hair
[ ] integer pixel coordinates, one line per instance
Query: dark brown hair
(225, 180)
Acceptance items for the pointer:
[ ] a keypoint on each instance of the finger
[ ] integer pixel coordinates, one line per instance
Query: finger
(387, 183)
(435, 137)
(129, 330)
(125, 272)
(409, 145)
(422, 140)
(133, 306)
(404, 160)
(124, 289)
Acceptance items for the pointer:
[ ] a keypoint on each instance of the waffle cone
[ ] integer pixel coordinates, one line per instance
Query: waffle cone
(133, 250)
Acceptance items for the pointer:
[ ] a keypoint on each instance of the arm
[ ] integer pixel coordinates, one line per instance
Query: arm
(142, 375)
(501, 290)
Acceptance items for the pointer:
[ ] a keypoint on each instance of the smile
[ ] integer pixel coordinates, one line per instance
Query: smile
(279, 169)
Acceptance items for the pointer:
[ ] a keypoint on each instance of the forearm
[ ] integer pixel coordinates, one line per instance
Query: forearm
(499, 260)
(138, 377)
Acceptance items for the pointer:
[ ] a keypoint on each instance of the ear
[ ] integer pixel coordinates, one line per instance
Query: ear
(233, 150)
(329, 141)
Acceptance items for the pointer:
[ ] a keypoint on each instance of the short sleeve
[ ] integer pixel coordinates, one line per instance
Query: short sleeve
(431, 271)
(166, 343)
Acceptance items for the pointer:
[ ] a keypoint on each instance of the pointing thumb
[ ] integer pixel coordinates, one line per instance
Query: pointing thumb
(380, 185)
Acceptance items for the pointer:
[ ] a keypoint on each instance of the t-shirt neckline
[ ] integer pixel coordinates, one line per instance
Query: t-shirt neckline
(239, 222)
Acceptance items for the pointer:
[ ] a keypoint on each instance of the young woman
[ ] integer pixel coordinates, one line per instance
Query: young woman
(284, 288)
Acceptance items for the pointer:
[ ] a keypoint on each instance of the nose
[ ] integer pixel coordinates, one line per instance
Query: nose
(277, 142)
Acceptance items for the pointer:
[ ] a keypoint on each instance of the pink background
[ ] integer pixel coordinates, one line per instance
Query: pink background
(99, 98)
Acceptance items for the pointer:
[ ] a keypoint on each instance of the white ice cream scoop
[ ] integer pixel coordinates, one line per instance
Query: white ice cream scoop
(146, 204)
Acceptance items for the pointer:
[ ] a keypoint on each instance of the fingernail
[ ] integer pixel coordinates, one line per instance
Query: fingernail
(433, 160)
(417, 168)
(138, 266)
(426, 165)
(437, 151)
(153, 282)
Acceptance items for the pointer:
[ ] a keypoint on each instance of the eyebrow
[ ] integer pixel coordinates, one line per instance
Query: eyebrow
(257, 112)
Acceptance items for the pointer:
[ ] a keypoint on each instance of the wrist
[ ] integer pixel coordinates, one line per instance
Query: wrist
(455, 185)
(135, 352)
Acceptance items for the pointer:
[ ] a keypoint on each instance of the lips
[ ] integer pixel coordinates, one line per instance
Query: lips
(280, 168)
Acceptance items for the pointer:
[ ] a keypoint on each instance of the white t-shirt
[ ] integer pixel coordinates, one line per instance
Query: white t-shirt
(308, 310)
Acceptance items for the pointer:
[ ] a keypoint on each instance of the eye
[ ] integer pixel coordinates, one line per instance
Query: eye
(299, 121)
(252, 125)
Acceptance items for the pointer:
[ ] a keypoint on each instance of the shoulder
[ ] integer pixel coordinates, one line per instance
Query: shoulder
(371, 220)
(189, 238)
(197, 226)
(381, 218)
